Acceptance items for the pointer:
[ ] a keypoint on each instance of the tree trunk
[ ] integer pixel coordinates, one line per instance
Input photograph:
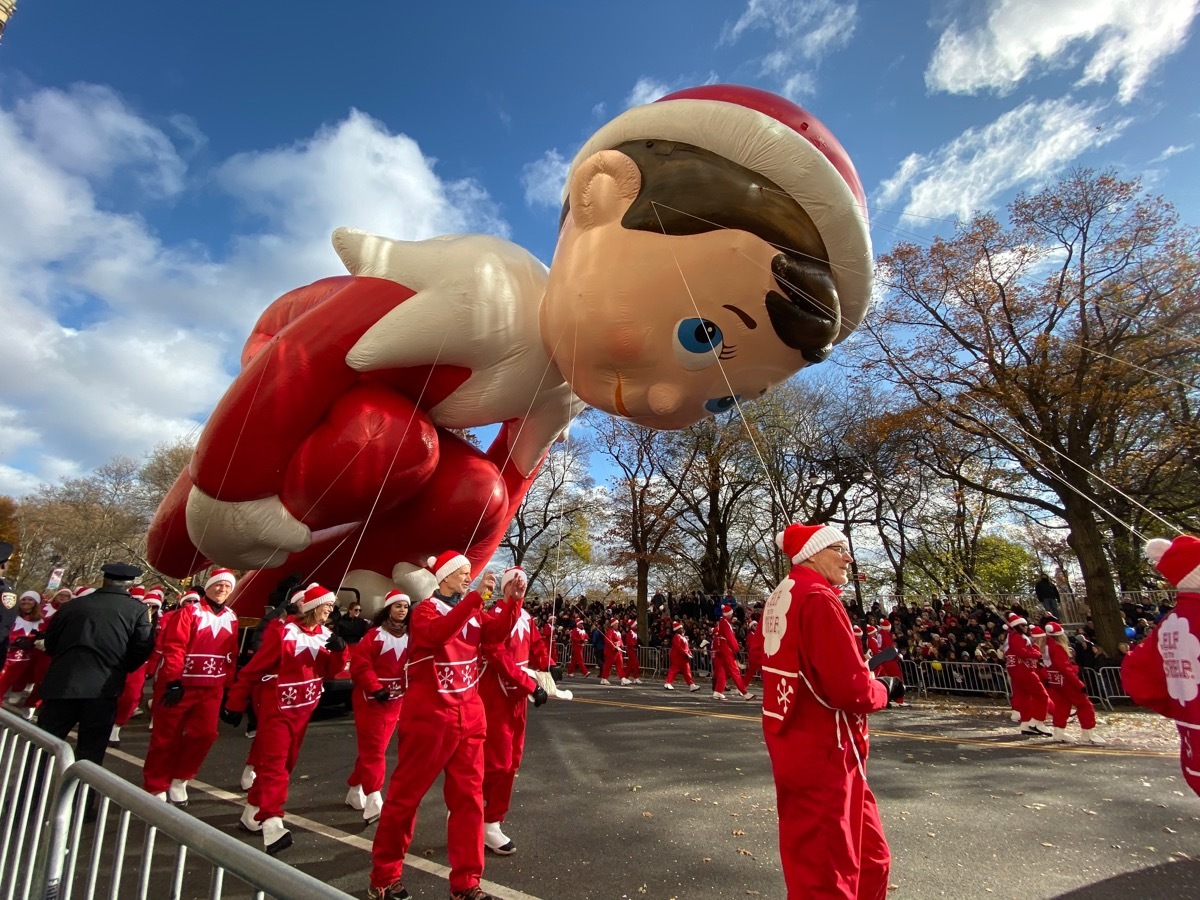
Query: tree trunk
(1087, 541)
(643, 592)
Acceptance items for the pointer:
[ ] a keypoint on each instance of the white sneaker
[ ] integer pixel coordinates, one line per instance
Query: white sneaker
(717, 695)
(637, 681)
(1089, 735)
(29, 712)
(372, 806)
(496, 840)
(668, 687)
(177, 793)
(114, 736)
(275, 836)
(625, 681)
(247, 778)
(694, 688)
(138, 712)
(1016, 716)
(605, 681)
(248, 822)
(1061, 736)
(748, 696)
(355, 798)
(162, 795)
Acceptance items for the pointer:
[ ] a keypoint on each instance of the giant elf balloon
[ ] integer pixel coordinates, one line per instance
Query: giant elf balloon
(711, 244)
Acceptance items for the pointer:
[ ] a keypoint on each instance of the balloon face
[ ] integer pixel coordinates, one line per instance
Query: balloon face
(663, 330)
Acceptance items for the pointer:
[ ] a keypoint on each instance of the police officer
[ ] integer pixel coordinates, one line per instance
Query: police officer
(8, 599)
(93, 642)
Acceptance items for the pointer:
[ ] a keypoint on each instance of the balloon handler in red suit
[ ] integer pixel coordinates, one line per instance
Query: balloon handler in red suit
(754, 648)
(725, 664)
(1067, 689)
(633, 666)
(1023, 661)
(579, 640)
(442, 728)
(292, 663)
(614, 653)
(21, 659)
(1162, 673)
(377, 668)
(135, 681)
(817, 692)
(198, 664)
(516, 674)
(681, 660)
(740, 228)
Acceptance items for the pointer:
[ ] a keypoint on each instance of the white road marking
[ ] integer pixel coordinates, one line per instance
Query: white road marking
(350, 840)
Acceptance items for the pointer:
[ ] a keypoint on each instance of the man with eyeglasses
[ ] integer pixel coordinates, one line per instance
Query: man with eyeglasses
(817, 691)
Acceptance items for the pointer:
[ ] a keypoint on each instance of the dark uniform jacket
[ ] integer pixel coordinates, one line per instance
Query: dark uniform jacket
(93, 642)
(8, 614)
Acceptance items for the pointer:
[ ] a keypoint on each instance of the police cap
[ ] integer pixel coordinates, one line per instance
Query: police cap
(6, 550)
(120, 571)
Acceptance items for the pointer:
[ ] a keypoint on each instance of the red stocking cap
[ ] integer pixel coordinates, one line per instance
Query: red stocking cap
(445, 564)
(315, 595)
(780, 141)
(799, 542)
(1178, 561)
(396, 597)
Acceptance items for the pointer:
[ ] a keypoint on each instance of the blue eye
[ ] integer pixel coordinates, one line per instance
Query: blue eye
(718, 405)
(697, 343)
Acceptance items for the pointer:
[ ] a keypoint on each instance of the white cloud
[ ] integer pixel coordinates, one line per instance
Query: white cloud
(543, 179)
(1024, 38)
(1025, 148)
(804, 32)
(646, 90)
(115, 340)
(1172, 150)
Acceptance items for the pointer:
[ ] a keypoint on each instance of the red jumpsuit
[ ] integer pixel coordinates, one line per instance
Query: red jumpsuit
(726, 646)
(1066, 689)
(291, 665)
(579, 640)
(754, 652)
(21, 660)
(681, 659)
(614, 653)
(1162, 673)
(376, 663)
(505, 690)
(131, 694)
(892, 667)
(442, 730)
(633, 666)
(199, 648)
(1029, 697)
(817, 692)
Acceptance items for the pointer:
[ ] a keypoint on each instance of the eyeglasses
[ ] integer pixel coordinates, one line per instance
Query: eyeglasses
(838, 548)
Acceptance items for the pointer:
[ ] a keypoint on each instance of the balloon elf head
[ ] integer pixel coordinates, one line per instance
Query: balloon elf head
(711, 244)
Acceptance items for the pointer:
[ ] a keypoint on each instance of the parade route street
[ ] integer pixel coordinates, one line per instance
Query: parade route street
(636, 792)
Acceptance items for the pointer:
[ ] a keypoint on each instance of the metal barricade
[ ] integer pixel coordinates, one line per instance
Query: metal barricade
(914, 678)
(989, 679)
(1103, 685)
(649, 660)
(110, 862)
(33, 768)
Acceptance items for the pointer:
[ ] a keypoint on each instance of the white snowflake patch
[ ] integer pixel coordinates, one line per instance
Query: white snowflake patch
(222, 621)
(774, 617)
(1180, 650)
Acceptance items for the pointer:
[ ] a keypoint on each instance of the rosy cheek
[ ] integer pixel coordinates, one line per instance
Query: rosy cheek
(664, 399)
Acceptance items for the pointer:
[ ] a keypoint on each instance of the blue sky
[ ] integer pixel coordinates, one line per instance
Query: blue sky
(166, 170)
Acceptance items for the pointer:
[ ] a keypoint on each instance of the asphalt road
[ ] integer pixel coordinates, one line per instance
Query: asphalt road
(635, 792)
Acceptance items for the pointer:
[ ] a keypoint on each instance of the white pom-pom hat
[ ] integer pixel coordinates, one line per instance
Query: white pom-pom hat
(218, 576)
(315, 595)
(513, 573)
(446, 564)
(1178, 561)
(395, 596)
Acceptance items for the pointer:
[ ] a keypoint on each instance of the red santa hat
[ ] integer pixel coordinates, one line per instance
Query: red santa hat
(1036, 631)
(871, 629)
(192, 596)
(677, 625)
(446, 564)
(1014, 620)
(1178, 561)
(82, 591)
(395, 596)
(727, 610)
(154, 597)
(856, 631)
(799, 542)
(219, 575)
(137, 592)
(780, 141)
(511, 574)
(1054, 629)
(315, 595)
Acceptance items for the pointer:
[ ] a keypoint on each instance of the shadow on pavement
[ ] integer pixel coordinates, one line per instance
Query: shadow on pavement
(1174, 879)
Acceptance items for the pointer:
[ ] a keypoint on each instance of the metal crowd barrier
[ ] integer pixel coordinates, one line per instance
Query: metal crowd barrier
(33, 770)
(51, 849)
(1103, 684)
(914, 678)
(967, 678)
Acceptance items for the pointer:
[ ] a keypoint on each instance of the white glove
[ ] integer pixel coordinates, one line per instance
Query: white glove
(546, 681)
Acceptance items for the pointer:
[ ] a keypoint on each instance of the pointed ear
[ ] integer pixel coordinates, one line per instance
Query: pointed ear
(604, 186)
